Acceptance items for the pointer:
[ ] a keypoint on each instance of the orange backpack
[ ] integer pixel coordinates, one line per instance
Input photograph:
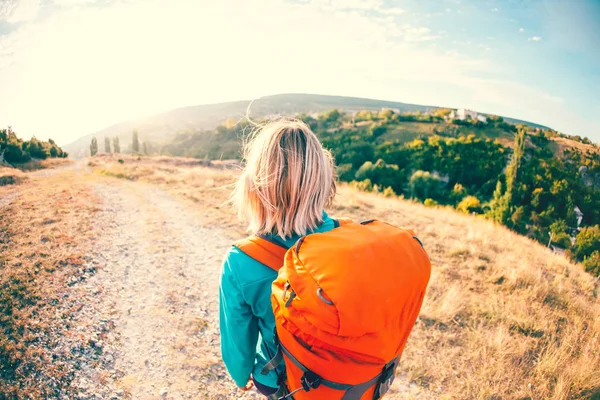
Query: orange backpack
(345, 302)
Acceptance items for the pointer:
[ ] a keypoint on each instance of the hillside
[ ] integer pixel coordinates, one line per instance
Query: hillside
(114, 279)
(162, 127)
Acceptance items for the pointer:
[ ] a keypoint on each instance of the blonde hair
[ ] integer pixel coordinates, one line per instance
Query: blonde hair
(287, 181)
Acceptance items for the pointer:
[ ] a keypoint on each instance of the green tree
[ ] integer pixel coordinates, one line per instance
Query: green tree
(381, 174)
(559, 226)
(592, 263)
(94, 147)
(499, 206)
(135, 145)
(562, 239)
(587, 242)
(512, 170)
(376, 130)
(331, 118)
(107, 145)
(424, 185)
(502, 204)
(116, 145)
(145, 148)
(386, 114)
(518, 219)
(364, 115)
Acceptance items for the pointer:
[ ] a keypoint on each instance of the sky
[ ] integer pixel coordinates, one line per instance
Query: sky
(72, 67)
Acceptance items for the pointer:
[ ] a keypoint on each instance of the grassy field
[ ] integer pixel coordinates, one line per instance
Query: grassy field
(11, 176)
(44, 237)
(504, 318)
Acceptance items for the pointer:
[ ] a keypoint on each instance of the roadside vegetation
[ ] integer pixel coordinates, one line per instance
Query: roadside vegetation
(45, 227)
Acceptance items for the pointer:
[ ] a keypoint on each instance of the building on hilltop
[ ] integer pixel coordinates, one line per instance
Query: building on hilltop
(463, 113)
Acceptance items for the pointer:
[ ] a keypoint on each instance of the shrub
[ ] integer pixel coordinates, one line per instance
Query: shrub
(364, 186)
(430, 203)
(469, 204)
(389, 192)
(562, 239)
(587, 242)
(592, 263)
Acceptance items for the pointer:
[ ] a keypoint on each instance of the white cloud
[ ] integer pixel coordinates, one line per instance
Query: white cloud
(73, 3)
(494, 10)
(357, 4)
(535, 39)
(14, 11)
(521, 30)
(392, 11)
(420, 34)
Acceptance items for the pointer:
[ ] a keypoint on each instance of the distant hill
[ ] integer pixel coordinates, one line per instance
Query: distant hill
(160, 128)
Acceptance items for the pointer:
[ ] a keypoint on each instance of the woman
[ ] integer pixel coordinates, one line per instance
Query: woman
(286, 184)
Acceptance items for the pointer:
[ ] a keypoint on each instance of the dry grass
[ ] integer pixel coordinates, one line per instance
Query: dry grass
(11, 176)
(503, 319)
(34, 165)
(561, 144)
(43, 238)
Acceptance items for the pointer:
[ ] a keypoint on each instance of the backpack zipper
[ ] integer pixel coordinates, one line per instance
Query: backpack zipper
(286, 288)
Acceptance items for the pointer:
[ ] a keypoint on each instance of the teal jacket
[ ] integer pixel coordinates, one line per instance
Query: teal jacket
(246, 321)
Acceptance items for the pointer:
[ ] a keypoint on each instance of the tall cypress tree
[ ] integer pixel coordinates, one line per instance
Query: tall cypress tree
(94, 147)
(116, 145)
(135, 145)
(107, 144)
(502, 204)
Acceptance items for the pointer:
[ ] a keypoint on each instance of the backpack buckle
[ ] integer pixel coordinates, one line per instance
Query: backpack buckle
(310, 380)
(386, 379)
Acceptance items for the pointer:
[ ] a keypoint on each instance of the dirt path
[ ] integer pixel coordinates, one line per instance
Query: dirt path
(160, 277)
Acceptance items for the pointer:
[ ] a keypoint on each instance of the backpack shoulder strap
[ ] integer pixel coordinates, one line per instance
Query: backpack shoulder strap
(337, 222)
(262, 250)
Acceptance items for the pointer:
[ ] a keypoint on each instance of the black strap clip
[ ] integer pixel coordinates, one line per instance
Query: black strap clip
(386, 378)
(310, 380)
(388, 372)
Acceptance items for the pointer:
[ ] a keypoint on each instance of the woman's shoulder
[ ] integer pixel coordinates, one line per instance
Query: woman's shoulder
(246, 269)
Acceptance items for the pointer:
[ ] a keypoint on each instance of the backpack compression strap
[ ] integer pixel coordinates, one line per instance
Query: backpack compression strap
(311, 380)
(262, 250)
